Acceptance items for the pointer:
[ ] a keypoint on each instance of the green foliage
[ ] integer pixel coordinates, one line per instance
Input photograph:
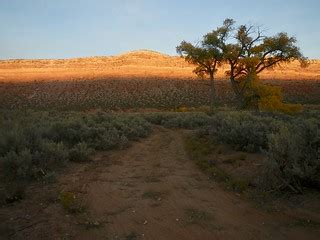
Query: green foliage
(50, 152)
(18, 164)
(294, 156)
(244, 130)
(35, 144)
(70, 202)
(266, 98)
(291, 143)
(207, 55)
(255, 54)
(80, 152)
(111, 139)
(206, 59)
(248, 52)
(178, 120)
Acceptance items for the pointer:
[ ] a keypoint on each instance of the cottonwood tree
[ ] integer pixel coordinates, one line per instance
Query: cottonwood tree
(248, 52)
(207, 58)
(249, 56)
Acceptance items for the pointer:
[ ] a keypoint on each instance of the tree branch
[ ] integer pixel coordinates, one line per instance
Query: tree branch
(270, 65)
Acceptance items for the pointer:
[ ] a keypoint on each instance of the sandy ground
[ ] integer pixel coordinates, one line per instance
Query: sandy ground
(136, 64)
(151, 190)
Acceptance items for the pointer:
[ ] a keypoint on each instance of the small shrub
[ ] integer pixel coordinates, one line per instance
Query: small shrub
(13, 192)
(196, 216)
(294, 157)
(68, 130)
(189, 120)
(132, 127)
(80, 153)
(70, 202)
(51, 153)
(110, 140)
(36, 165)
(242, 129)
(18, 165)
(12, 140)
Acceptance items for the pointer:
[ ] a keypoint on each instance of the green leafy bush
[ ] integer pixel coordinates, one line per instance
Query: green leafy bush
(245, 130)
(178, 120)
(80, 152)
(18, 164)
(70, 202)
(294, 157)
(51, 153)
(291, 143)
(111, 140)
(34, 144)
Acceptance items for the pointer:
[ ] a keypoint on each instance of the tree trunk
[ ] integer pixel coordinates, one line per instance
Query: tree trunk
(249, 92)
(241, 90)
(238, 97)
(237, 92)
(212, 92)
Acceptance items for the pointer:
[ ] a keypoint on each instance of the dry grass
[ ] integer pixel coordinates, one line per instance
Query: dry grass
(135, 94)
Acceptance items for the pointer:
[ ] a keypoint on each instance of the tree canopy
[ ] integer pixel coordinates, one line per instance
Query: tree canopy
(248, 52)
(207, 55)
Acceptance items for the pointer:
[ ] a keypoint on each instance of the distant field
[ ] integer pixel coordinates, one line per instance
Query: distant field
(122, 94)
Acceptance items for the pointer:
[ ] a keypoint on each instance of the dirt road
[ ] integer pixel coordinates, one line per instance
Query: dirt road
(148, 191)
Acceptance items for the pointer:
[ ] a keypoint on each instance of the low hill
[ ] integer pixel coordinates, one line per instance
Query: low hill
(136, 64)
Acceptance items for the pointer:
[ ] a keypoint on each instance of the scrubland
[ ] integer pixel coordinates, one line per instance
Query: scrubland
(141, 157)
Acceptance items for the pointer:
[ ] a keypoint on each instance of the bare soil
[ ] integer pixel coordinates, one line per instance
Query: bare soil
(151, 190)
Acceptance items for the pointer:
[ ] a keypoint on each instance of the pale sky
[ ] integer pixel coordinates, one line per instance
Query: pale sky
(77, 28)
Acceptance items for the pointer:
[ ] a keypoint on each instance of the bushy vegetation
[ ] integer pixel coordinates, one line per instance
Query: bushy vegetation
(294, 156)
(178, 120)
(267, 98)
(70, 202)
(34, 144)
(244, 130)
(291, 143)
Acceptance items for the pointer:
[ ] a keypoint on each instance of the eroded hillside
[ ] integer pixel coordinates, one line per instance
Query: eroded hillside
(135, 64)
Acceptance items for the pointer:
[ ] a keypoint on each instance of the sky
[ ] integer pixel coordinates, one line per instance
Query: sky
(77, 28)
